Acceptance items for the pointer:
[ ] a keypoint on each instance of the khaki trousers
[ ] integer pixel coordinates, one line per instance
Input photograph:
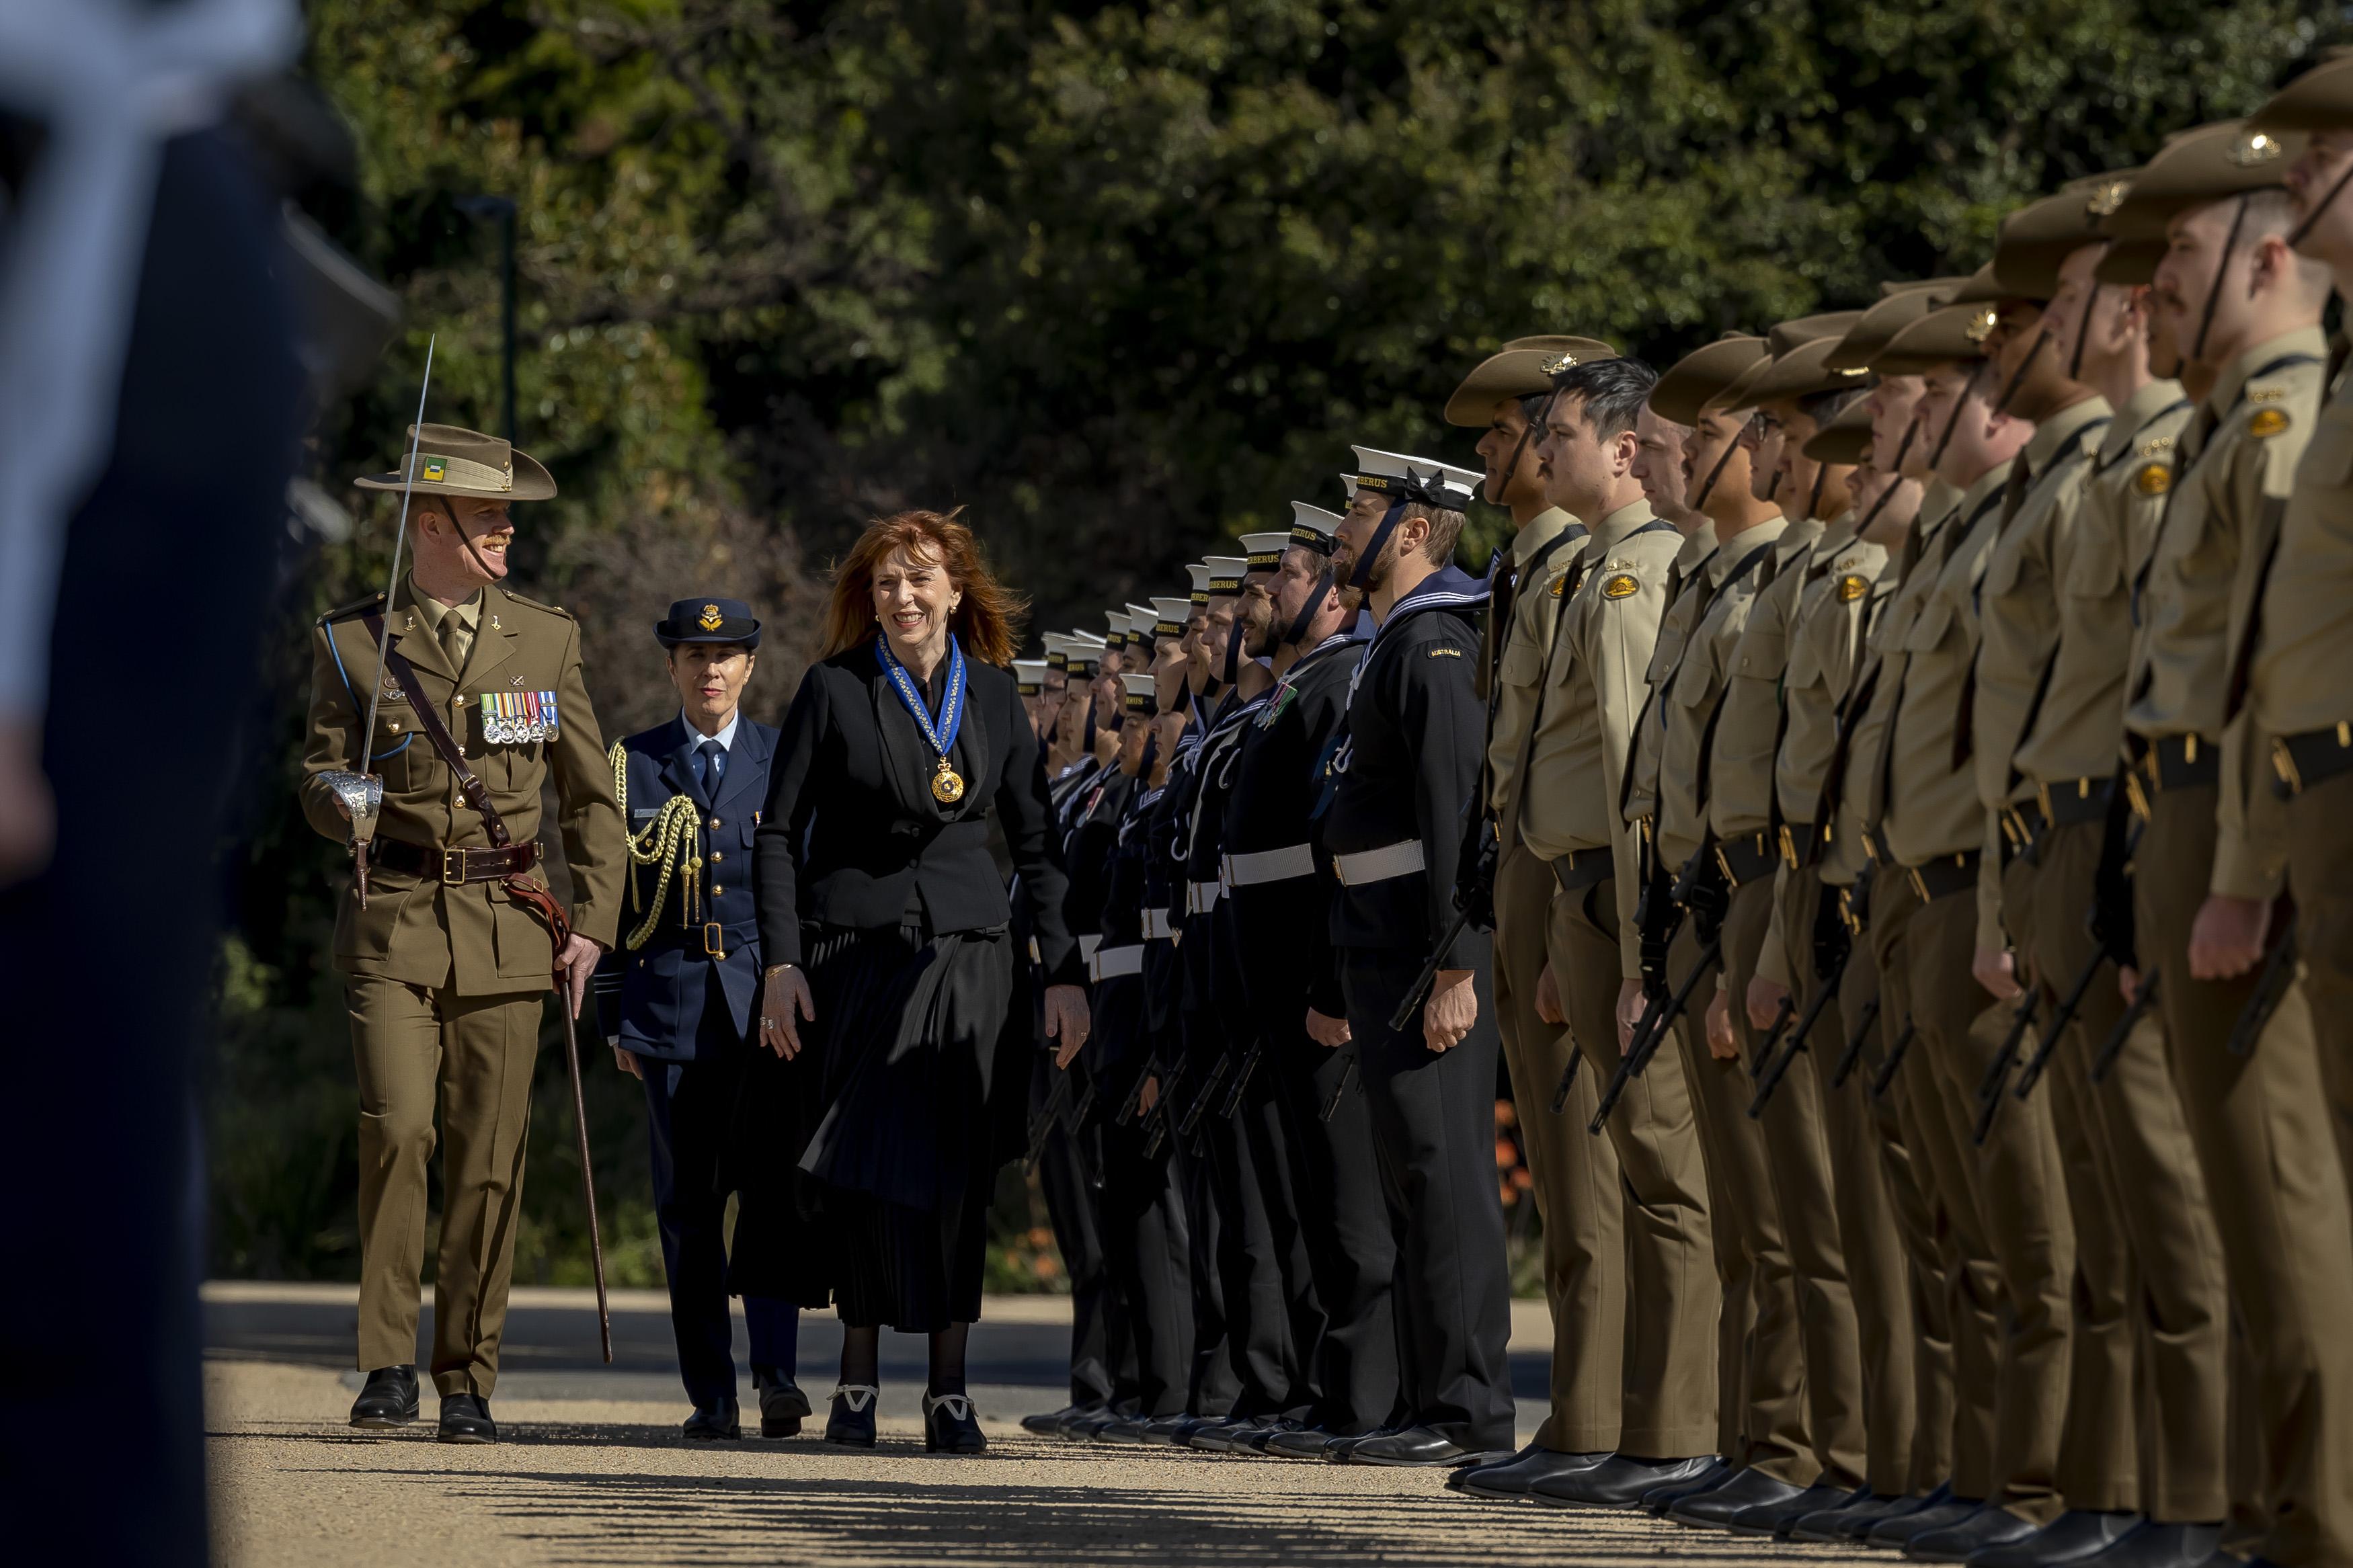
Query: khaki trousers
(1674, 1301)
(475, 1053)
(2261, 1124)
(2179, 1309)
(2099, 1445)
(1853, 1136)
(2019, 1193)
(1575, 1176)
(2320, 874)
(1763, 1370)
(1797, 1161)
(1955, 1282)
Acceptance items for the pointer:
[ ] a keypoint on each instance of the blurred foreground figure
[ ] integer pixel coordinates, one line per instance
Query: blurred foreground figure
(153, 395)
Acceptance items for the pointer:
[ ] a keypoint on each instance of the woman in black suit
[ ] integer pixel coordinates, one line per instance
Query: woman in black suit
(883, 917)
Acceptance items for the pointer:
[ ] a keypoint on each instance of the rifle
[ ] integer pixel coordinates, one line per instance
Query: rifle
(2051, 1033)
(1043, 1128)
(1242, 1077)
(1997, 1073)
(2271, 989)
(2113, 1046)
(1647, 1036)
(1782, 1013)
(1135, 1101)
(1879, 1085)
(1340, 1089)
(1771, 1078)
(1160, 1115)
(1853, 1052)
(1419, 990)
(1658, 929)
(1193, 1112)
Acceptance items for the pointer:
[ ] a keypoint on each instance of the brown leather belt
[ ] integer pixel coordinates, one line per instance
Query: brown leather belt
(2303, 761)
(1946, 875)
(1746, 859)
(453, 866)
(2183, 762)
(1801, 845)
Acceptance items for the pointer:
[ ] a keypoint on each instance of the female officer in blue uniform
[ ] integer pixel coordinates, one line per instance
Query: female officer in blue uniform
(676, 993)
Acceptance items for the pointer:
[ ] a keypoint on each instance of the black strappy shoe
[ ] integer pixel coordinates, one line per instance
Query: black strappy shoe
(950, 1426)
(851, 1422)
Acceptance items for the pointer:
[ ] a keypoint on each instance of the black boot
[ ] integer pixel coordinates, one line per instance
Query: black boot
(388, 1400)
(950, 1426)
(783, 1406)
(714, 1423)
(852, 1420)
(466, 1418)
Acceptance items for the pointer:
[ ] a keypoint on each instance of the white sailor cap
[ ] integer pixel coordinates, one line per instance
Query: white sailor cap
(1264, 551)
(1312, 527)
(1406, 478)
(1058, 650)
(1136, 691)
(1226, 574)
(1201, 573)
(1029, 676)
(1169, 615)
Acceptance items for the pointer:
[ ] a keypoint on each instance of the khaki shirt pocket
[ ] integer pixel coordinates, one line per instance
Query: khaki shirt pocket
(1929, 627)
(2095, 560)
(1521, 665)
(2327, 466)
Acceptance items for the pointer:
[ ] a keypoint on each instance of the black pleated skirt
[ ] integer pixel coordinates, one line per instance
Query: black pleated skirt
(866, 1163)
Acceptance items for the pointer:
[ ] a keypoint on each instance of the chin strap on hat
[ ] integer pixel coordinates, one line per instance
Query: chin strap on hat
(1361, 579)
(1894, 466)
(1707, 486)
(2018, 376)
(1960, 400)
(2083, 332)
(2221, 268)
(2297, 236)
(1297, 631)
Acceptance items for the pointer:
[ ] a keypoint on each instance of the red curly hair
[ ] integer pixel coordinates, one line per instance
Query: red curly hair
(988, 623)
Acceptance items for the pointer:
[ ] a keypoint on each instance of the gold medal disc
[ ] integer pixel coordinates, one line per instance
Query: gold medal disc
(947, 785)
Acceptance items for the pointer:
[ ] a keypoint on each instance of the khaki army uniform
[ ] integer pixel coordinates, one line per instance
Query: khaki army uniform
(1763, 1376)
(1583, 741)
(1930, 826)
(1577, 1181)
(447, 979)
(2168, 1338)
(1741, 811)
(2261, 1121)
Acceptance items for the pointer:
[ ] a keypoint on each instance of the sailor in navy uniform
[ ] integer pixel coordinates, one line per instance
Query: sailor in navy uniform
(1403, 782)
(676, 996)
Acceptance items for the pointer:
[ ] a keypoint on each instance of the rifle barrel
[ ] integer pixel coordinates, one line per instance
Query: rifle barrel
(2033, 1072)
(1644, 1046)
(1880, 1085)
(1853, 1052)
(2270, 986)
(2113, 1046)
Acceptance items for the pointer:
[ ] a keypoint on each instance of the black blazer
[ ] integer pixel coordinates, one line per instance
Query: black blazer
(850, 830)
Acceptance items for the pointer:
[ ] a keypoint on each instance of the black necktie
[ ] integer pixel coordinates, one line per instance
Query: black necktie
(709, 766)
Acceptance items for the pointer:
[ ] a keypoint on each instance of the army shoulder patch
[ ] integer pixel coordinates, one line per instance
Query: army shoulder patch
(2267, 422)
(1853, 586)
(1443, 652)
(1619, 585)
(2153, 479)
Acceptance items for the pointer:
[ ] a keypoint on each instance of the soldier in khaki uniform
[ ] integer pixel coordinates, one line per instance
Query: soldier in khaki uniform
(1612, 603)
(2215, 196)
(446, 967)
(1577, 1182)
(1929, 826)
(1795, 392)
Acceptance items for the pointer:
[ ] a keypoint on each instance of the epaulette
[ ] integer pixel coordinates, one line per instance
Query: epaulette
(353, 610)
(531, 604)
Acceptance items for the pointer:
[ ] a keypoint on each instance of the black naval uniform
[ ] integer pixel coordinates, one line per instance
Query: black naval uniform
(1408, 771)
(1279, 899)
(1147, 1241)
(1271, 1315)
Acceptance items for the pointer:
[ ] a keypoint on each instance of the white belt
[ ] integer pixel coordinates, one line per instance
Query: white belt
(1156, 925)
(1270, 866)
(1402, 859)
(1113, 963)
(1201, 898)
(1088, 944)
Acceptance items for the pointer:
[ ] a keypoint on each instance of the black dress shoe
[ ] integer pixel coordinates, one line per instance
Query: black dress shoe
(950, 1426)
(2149, 1544)
(1307, 1443)
(1659, 1499)
(1132, 1430)
(466, 1418)
(1715, 1507)
(1989, 1526)
(1421, 1447)
(1840, 1523)
(1511, 1479)
(1170, 1431)
(1216, 1435)
(2075, 1536)
(1776, 1519)
(1255, 1442)
(1898, 1529)
(388, 1400)
(711, 1424)
(1087, 1427)
(1618, 1482)
(1049, 1424)
(783, 1408)
(1338, 1450)
(852, 1421)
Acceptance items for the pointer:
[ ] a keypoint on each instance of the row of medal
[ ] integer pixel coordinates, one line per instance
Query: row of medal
(509, 717)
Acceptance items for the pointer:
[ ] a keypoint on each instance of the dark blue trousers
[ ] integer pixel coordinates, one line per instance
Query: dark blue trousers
(688, 1105)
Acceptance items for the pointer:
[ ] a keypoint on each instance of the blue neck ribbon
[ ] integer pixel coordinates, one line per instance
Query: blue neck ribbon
(940, 736)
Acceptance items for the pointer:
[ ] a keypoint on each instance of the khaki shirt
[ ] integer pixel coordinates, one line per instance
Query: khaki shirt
(1929, 806)
(2241, 450)
(1536, 610)
(1689, 698)
(1842, 582)
(1584, 725)
(472, 939)
(432, 612)
(2080, 732)
(1740, 764)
